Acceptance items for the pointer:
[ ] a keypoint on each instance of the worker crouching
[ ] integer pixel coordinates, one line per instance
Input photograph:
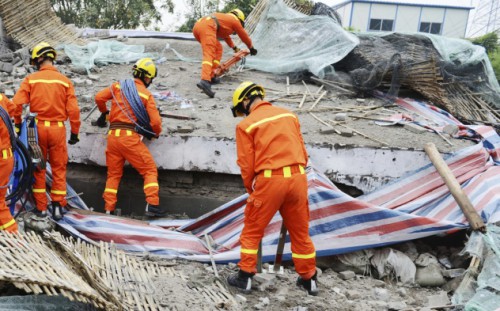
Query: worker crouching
(51, 96)
(208, 30)
(133, 115)
(272, 158)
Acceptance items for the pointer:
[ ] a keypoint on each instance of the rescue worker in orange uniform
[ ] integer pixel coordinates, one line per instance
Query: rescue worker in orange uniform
(124, 143)
(272, 158)
(51, 96)
(207, 30)
(7, 222)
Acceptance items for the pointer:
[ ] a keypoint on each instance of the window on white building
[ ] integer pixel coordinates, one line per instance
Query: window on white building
(434, 28)
(381, 24)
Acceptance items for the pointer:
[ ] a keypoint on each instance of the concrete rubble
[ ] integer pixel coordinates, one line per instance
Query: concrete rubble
(200, 140)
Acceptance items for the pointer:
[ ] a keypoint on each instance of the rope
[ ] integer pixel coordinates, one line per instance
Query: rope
(130, 93)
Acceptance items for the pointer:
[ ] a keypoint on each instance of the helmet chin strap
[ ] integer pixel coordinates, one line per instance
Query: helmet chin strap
(246, 110)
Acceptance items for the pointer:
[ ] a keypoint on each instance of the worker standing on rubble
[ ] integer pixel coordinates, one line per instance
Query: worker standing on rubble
(51, 96)
(207, 31)
(131, 102)
(272, 156)
(7, 136)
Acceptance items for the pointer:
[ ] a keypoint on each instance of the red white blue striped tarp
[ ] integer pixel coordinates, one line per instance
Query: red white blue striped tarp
(414, 206)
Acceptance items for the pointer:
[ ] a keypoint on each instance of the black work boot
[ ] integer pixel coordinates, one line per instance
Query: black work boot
(154, 211)
(206, 87)
(310, 285)
(57, 211)
(241, 280)
(215, 80)
(40, 214)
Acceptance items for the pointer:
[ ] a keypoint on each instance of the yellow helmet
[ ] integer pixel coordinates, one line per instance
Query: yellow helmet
(145, 67)
(42, 49)
(245, 90)
(239, 14)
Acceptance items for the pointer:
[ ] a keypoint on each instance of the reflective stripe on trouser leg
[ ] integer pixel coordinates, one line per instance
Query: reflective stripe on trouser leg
(114, 162)
(295, 211)
(39, 191)
(261, 206)
(7, 222)
(209, 45)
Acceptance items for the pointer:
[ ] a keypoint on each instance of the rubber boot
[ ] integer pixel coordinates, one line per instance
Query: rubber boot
(57, 211)
(155, 211)
(241, 280)
(206, 87)
(40, 214)
(310, 285)
(215, 80)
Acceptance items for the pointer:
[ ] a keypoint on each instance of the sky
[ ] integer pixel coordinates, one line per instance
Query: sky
(171, 22)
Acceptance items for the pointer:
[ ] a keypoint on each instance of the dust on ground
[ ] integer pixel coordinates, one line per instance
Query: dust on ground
(177, 82)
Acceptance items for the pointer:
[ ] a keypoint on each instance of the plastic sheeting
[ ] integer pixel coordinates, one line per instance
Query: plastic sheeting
(104, 52)
(486, 297)
(289, 41)
(463, 53)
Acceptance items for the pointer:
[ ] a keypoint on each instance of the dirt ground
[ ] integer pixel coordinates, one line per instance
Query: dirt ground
(213, 115)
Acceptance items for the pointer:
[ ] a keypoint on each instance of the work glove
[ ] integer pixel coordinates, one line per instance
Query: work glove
(236, 49)
(253, 51)
(17, 128)
(73, 139)
(102, 120)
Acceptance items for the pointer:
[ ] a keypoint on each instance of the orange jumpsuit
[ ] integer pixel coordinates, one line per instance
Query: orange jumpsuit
(7, 222)
(207, 32)
(125, 144)
(51, 96)
(272, 157)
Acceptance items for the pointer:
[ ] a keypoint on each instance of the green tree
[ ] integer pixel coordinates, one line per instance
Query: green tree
(489, 41)
(196, 11)
(114, 14)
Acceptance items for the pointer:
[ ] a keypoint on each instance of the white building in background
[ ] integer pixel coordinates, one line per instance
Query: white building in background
(441, 17)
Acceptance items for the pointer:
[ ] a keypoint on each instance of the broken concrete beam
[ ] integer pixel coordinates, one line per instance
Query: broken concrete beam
(327, 130)
(347, 275)
(6, 67)
(78, 82)
(346, 132)
(429, 276)
(412, 127)
(7, 57)
(9, 93)
(342, 116)
(453, 273)
(185, 129)
(438, 300)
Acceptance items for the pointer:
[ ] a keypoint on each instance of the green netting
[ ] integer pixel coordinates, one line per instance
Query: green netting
(104, 52)
(289, 41)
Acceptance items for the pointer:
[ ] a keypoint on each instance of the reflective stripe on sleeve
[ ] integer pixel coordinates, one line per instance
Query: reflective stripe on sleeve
(111, 190)
(49, 82)
(10, 223)
(283, 115)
